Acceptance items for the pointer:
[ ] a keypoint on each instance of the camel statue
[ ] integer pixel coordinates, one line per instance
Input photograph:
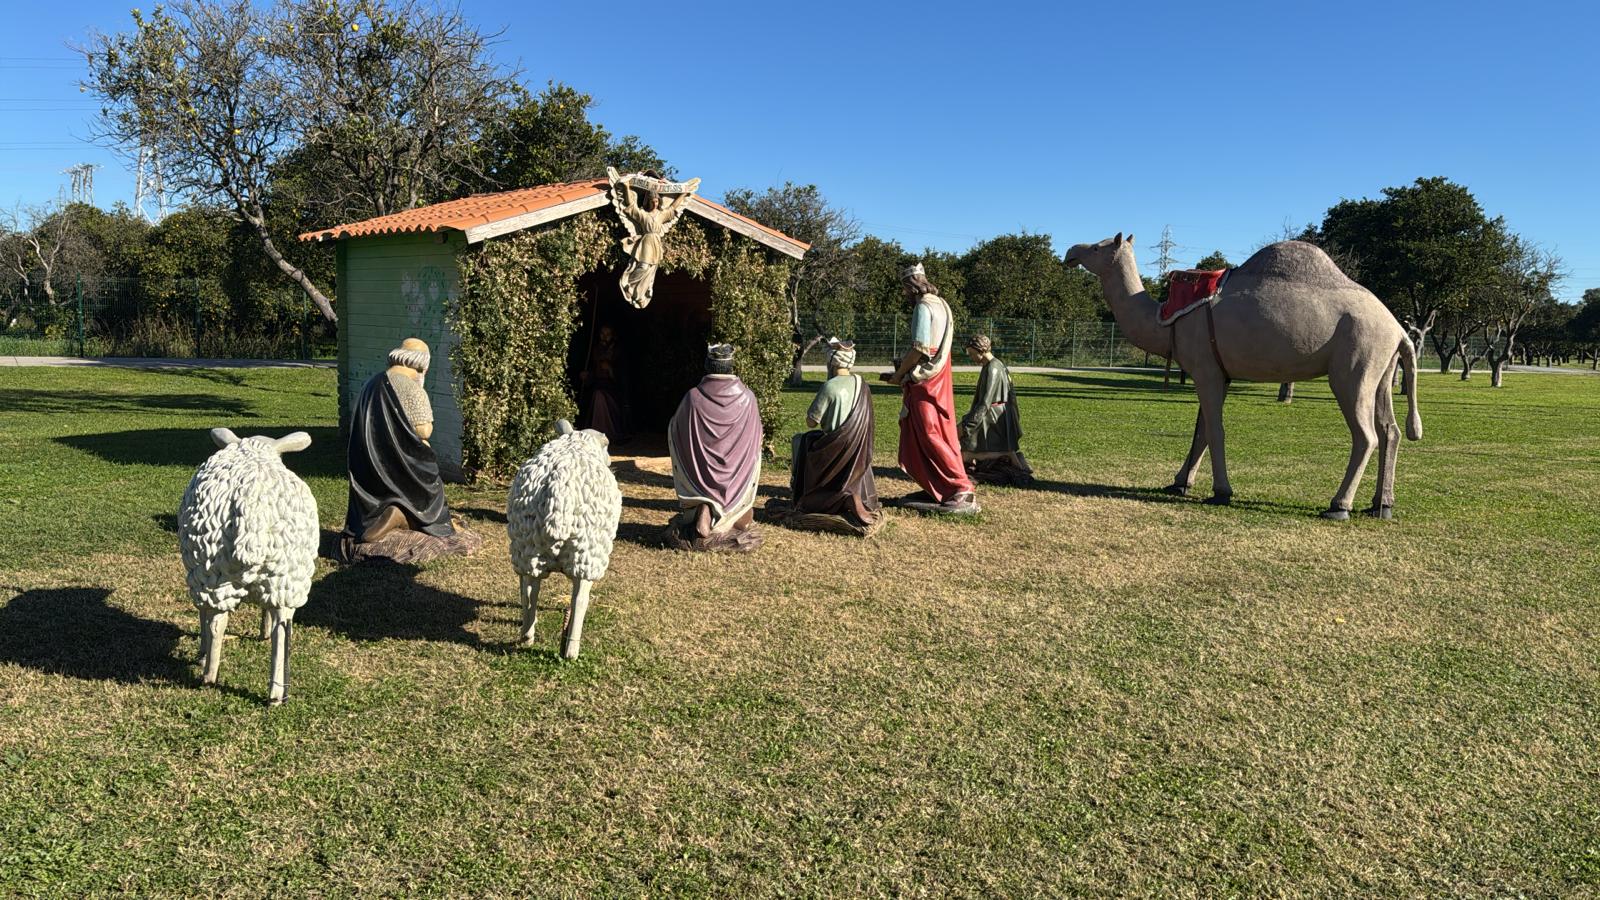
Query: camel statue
(1288, 314)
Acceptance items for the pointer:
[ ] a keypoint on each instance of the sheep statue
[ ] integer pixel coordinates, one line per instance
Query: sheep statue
(248, 530)
(562, 516)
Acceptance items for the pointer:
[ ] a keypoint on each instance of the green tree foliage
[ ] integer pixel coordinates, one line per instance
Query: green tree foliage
(548, 138)
(387, 94)
(1213, 261)
(1423, 249)
(1020, 276)
(823, 283)
(1583, 329)
(391, 93)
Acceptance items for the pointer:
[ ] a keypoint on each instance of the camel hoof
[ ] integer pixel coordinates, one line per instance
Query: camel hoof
(1176, 489)
(1381, 512)
(1336, 515)
(1219, 500)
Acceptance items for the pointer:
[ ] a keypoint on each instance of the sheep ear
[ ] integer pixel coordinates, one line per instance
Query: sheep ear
(563, 427)
(223, 437)
(291, 443)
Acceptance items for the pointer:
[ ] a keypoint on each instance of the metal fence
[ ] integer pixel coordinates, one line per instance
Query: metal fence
(1020, 342)
(1064, 343)
(179, 318)
(198, 319)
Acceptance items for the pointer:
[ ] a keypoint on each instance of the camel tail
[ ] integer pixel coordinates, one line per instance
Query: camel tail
(1408, 362)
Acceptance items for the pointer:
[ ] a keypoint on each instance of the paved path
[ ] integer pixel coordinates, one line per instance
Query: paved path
(149, 362)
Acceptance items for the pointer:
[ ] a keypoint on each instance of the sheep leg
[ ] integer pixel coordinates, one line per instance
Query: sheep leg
(278, 687)
(530, 607)
(573, 634)
(266, 624)
(213, 625)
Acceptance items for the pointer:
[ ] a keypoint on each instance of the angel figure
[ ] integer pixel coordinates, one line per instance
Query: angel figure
(648, 219)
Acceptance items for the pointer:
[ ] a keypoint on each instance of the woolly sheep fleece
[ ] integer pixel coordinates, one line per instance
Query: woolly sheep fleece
(563, 509)
(248, 528)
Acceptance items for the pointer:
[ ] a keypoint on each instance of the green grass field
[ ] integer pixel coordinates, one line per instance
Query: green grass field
(1094, 688)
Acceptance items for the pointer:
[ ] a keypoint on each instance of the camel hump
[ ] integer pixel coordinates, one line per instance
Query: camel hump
(1294, 261)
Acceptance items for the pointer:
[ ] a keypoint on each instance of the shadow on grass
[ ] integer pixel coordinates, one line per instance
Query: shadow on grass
(189, 447)
(644, 534)
(628, 472)
(376, 601)
(1159, 495)
(29, 400)
(74, 631)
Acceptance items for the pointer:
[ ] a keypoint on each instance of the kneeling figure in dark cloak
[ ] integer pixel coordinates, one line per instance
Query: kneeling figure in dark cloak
(991, 432)
(397, 509)
(830, 481)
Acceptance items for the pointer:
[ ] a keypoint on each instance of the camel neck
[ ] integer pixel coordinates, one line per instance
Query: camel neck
(1130, 303)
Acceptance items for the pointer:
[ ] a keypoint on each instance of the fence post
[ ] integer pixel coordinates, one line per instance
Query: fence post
(81, 350)
(1072, 360)
(196, 295)
(305, 325)
(894, 342)
(1033, 341)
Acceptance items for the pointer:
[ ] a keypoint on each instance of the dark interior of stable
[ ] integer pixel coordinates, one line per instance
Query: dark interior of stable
(660, 349)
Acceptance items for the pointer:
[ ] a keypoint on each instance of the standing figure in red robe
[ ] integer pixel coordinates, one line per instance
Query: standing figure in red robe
(930, 448)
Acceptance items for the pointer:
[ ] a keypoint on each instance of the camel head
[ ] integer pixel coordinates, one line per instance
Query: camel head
(1099, 258)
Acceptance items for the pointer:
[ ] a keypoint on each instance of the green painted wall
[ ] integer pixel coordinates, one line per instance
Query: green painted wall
(391, 287)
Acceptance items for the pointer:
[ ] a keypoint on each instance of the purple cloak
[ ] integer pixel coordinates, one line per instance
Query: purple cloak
(715, 442)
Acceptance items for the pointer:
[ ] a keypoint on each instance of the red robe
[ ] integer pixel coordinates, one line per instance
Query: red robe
(930, 448)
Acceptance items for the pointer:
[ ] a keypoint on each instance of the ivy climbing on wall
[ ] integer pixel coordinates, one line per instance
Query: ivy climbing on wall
(518, 308)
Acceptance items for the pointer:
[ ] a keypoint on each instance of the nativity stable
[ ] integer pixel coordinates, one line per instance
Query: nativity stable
(528, 297)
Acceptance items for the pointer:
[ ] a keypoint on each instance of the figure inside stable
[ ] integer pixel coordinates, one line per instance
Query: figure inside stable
(629, 368)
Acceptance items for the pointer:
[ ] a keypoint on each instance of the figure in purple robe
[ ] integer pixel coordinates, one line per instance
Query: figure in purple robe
(715, 442)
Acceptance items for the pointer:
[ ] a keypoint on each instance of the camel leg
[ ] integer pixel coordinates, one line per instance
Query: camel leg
(573, 634)
(1356, 401)
(530, 608)
(282, 624)
(266, 624)
(1213, 393)
(1184, 480)
(213, 625)
(1388, 446)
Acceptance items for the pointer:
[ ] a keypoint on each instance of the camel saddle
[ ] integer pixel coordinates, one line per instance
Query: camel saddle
(1188, 289)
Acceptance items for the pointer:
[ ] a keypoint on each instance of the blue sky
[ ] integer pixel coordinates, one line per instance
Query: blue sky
(938, 124)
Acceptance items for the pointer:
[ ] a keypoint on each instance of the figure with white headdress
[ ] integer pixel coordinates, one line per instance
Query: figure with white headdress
(830, 480)
(397, 509)
(715, 443)
(991, 431)
(930, 451)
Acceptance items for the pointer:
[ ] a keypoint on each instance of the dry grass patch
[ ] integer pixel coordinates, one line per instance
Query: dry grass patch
(1092, 689)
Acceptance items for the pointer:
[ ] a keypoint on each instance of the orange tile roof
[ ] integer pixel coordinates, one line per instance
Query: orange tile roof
(772, 231)
(459, 215)
(484, 209)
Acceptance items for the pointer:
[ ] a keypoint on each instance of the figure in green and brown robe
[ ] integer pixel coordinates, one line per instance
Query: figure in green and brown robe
(991, 431)
(831, 481)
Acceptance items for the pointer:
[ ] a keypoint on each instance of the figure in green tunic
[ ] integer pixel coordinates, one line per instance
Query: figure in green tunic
(991, 432)
(831, 486)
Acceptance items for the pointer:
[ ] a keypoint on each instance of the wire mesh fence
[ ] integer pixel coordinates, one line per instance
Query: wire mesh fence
(1020, 342)
(203, 318)
(177, 318)
(1060, 343)
(1063, 343)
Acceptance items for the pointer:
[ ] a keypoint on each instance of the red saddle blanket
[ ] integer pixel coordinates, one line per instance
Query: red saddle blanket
(1188, 289)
